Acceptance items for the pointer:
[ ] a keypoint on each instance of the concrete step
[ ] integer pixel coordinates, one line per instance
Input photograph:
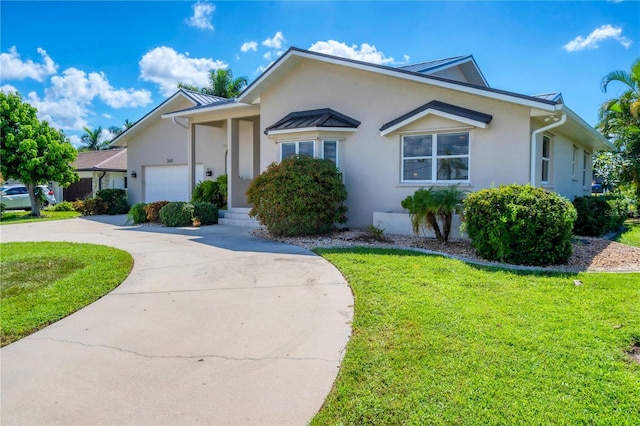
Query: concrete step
(230, 215)
(249, 223)
(237, 216)
(244, 210)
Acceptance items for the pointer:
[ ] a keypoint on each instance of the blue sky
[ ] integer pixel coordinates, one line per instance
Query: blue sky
(97, 63)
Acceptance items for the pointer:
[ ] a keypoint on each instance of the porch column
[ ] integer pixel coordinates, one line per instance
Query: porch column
(233, 160)
(191, 158)
(256, 147)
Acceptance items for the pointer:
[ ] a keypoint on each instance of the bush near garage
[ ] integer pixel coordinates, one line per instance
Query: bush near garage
(116, 200)
(207, 191)
(206, 212)
(299, 196)
(177, 213)
(137, 213)
(153, 211)
(520, 225)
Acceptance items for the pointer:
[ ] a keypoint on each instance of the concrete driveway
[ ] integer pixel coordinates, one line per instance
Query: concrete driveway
(212, 326)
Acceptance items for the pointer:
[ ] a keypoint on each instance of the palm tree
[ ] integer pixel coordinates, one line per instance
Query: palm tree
(221, 83)
(91, 139)
(632, 82)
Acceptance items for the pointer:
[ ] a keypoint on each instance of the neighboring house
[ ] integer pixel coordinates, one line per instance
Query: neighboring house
(389, 130)
(98, 170)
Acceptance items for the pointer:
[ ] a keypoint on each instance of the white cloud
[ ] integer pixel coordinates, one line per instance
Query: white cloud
(8, 88)
(592, 41)
(202, 14)
(75, 141)
(267, 56)
(274, 42)
(166, 67)
(107, 116)
(366, 52)
(249, 45)
(14, 68)
(106, 135)
(60, 113)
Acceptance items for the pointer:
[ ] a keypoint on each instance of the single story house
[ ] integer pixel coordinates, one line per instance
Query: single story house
(98, 170)
(390, 130)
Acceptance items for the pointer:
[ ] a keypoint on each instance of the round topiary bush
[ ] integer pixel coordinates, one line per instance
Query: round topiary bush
(176, 213)
(206, 212)
(520, 225)
(299, 196)
(137, 213)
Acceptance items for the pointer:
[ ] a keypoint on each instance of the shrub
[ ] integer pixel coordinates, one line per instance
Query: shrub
(599, 215)
(153, 211)
(116, 200)
(137, 213)
(520, 224)
(176, 213)
(425, 206)
(299, 196)
(206, 212)
(63, 206)
(221, 180)
(90, 206)
(2, 208)
(207, 191)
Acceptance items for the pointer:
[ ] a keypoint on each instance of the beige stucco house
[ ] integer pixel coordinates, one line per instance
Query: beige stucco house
(389, 130)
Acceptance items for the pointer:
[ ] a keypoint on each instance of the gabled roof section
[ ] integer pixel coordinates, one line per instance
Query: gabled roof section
(442, 109)
(466, 64)
(555, 97)
(316, 119)
(223, 103)
(198, 100)
(294, 55)
(105, 160)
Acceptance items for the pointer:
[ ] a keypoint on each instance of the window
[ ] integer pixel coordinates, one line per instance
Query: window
(585, 164)
(330, 151)
(574, 163)
(289, 149)
(546, 158)
(436, 157)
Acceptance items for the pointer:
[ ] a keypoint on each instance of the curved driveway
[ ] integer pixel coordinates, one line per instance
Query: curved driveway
(212, 326)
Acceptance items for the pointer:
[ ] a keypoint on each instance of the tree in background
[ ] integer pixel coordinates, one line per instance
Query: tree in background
(117, 131)
(221, 83)
(32, 152)
(620, 121)
(91, 140)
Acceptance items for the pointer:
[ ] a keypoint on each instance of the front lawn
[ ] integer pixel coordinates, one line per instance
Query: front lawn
(631, 234)
(438, 341)
(11, 217)
(43, 282)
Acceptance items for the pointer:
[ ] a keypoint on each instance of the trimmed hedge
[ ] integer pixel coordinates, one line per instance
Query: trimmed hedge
(206, 212)
(63, 206)
(116, 200)
(299, 196)
(598, 215)
(153, 211)
(137, 213)
(520, 225)
(176, 213)
(207, 191)
(90, 206)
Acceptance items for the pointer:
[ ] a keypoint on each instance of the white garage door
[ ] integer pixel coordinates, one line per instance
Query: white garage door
(168, 183)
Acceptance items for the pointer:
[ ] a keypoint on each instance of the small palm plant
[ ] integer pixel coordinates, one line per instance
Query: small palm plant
(426, 206)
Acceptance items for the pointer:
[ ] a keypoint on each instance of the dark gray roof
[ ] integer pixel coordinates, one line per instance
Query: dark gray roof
(556, 97)
(427, 66)
(201, 98)
(444, 107)
(325, 117)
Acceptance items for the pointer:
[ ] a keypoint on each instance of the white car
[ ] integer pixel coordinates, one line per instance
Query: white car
(16, 197)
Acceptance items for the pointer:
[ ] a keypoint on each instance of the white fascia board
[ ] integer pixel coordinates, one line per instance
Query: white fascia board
(310, 129)
(202, 110)
(426, 112)
(404, 75)
(606, 144)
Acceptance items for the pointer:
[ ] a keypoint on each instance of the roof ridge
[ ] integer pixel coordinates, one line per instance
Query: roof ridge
(111, 157)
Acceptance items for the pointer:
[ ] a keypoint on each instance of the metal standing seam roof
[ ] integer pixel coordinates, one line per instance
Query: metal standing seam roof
(105, 160)
(325, 117)
(431, 65)
(444, 107)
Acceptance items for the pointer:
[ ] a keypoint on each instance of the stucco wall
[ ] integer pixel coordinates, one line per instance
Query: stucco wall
(370, 162)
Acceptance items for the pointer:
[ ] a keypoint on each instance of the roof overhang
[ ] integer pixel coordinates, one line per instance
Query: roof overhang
(590, 136)
(205, 109)
(309, 129)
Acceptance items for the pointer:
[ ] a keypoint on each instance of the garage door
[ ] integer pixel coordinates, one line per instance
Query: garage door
(168, 183)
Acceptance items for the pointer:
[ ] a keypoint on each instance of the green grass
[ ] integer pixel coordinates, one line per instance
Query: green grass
(11, 217)
(631, 234)
(42, 282)
(437, 341)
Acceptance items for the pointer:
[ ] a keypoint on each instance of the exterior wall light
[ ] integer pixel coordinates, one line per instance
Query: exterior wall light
(209, 172)
(134, 174)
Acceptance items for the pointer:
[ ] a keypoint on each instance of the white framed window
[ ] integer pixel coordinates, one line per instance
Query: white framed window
(546, 159)
(574, 163)
(289, 149)
(330, 151)
(585, 167)
(438, 157)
